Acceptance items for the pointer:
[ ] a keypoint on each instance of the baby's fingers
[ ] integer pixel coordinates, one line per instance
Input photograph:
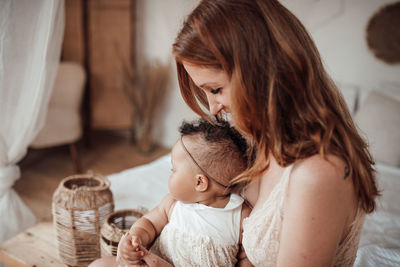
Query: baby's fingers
(126, 252)
(143, 249)
(125, 243)
(131, 256)
(136, 241)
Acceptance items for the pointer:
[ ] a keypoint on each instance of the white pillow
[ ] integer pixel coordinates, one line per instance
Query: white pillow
(379, 121)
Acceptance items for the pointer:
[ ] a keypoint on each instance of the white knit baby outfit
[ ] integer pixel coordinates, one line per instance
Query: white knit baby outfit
(262, 229)
(199, 235)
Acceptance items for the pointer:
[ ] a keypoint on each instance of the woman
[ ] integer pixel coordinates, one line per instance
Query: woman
(312, 179)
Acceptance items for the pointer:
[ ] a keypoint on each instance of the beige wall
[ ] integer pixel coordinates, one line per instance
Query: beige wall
(338, 28)
(158, 23)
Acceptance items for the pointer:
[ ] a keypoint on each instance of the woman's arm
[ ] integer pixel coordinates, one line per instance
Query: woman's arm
(319, 207)
(152, 260)
(243, 261)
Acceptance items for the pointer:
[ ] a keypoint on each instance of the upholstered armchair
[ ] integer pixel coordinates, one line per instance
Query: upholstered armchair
(63, 125)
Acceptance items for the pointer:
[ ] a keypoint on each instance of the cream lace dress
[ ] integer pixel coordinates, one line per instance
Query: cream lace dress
(199, 235)
(261, 230)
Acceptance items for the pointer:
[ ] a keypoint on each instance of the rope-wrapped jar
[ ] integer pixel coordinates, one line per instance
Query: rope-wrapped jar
(80, 205)
(115, 226)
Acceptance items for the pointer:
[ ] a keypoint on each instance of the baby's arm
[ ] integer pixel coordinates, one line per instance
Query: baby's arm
(143, 232)
(243, 261)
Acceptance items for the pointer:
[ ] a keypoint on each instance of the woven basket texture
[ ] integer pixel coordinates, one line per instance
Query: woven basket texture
(80, 205)
(115, 226)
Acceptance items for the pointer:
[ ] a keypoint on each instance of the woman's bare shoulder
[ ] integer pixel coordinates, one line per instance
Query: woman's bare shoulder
(318, 210)
(324, 179)
(320, 171)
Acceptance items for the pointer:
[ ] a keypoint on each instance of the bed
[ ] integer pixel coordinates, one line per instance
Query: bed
(378, 117)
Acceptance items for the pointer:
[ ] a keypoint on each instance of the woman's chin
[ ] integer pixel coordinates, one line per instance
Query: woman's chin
(227, 116)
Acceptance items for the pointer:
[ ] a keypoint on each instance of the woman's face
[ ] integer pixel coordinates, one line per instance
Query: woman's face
(215, 83)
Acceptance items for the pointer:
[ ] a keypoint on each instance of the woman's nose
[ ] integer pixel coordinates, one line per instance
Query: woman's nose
(215, 107)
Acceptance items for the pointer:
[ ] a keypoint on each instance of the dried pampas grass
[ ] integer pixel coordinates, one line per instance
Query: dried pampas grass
(146, 88)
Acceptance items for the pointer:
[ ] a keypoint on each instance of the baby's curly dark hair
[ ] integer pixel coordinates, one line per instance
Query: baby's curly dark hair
(218, 148)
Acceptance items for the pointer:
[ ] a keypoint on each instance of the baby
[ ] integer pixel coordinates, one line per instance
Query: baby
(199, 222)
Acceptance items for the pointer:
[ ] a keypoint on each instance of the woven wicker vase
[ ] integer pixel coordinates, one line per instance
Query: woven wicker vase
(80, 205)
(115, 226)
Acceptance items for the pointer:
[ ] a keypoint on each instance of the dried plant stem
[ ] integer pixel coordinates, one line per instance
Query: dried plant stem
(146, 89)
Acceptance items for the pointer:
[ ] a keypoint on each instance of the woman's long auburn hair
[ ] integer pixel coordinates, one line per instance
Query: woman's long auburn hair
(281, 95)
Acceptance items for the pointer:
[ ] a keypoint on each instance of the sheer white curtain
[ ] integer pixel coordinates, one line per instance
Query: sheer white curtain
(30, 43)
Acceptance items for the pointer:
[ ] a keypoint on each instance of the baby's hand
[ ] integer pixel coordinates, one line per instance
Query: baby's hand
(136, 242)
(127, 253)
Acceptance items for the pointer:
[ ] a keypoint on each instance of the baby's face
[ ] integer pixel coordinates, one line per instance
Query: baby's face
(182, 180)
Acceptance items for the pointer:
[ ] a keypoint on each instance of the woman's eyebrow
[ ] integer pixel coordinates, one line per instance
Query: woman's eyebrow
(208, 84)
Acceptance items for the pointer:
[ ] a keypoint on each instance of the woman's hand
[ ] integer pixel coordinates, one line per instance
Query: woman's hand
(129, 252)
(152, 260)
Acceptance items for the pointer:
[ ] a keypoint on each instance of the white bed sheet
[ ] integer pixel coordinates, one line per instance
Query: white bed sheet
(380, 237)
(141, 186)
(145, 186)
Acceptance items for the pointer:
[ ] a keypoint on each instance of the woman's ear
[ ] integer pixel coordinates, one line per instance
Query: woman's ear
(201, 183)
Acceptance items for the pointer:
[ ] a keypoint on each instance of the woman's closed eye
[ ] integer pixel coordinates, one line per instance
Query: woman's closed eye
(216, 91)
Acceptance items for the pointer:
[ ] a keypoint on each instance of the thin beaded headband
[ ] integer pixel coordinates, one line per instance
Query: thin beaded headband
(195, 162)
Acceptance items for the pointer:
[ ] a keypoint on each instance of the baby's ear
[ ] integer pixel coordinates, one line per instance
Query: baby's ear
(201, 183)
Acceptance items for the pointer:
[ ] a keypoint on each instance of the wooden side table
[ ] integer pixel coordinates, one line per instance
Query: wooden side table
(36, 247)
